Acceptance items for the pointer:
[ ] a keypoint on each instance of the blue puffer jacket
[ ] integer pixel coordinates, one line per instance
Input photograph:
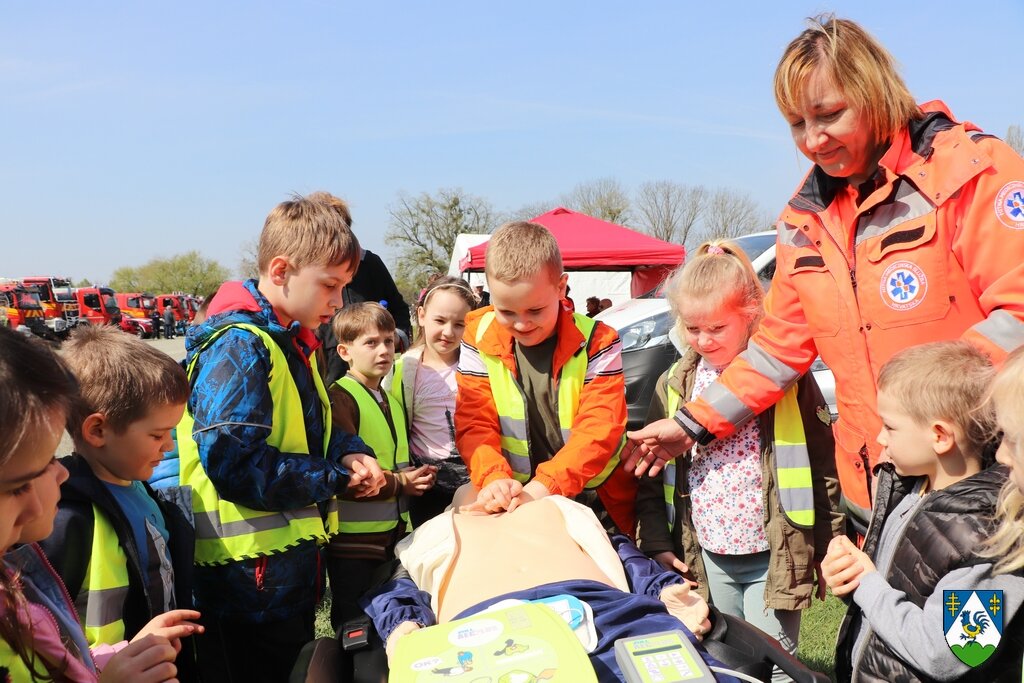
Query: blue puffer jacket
(232, 408)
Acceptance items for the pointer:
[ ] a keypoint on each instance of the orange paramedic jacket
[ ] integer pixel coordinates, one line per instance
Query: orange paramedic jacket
(937, 254)
(596, 433)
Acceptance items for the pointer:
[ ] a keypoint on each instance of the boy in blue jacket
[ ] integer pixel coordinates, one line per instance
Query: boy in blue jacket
(257, 449)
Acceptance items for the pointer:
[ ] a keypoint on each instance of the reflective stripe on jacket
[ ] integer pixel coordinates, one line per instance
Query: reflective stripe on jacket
(391, 445)
(931, 254)
(100, 603)
(510, 404)
(226, 531)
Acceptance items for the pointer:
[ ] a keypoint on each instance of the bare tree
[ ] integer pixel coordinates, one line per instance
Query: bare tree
(730, 213)
(529, 211)
(604, 198)
(248, 263)
(1015, 139)
(669, 210)
(423, 230)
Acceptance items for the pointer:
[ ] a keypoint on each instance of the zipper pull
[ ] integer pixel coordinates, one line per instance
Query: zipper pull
(853, 278)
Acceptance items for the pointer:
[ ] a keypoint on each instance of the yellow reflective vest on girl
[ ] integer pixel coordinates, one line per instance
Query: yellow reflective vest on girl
(227, 531)
(390, 443)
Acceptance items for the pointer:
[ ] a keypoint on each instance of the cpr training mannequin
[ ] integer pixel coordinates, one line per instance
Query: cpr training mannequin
(464, 561)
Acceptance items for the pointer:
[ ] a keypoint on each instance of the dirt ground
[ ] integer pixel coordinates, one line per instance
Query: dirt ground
(175, 348)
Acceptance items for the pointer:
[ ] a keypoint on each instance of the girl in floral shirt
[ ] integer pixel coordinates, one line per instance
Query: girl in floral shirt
(724, 517)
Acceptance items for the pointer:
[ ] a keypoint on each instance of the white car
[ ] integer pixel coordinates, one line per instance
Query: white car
(650, 344)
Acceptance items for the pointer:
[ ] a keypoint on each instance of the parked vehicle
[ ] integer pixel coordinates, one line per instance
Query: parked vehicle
(650, 344)
(26, 309)
(177, 304)
(9, 315)
(60, 309)
(137, 307)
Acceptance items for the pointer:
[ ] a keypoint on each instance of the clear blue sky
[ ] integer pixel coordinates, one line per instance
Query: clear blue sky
(135, 130)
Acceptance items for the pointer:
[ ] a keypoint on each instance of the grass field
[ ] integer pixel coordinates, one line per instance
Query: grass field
(818, 628)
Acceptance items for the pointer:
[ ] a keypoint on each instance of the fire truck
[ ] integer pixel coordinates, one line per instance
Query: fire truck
(182, 313)
(23, 307)
(98, 305)
(60, 309)
(138, 307)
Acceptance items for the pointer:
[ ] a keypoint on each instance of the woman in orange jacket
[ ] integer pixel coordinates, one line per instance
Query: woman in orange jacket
(908, 229)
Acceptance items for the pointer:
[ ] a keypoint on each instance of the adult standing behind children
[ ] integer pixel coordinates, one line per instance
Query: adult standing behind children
(369, 526)
(425, 385)
(749, 517)
(257, 448)
(903, 232)
(936, 506)
(124, 553)
(541, 407)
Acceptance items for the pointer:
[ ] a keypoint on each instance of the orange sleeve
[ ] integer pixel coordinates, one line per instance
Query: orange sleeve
(600, 420)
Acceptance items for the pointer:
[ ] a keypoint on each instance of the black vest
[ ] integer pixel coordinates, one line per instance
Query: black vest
(945, 533)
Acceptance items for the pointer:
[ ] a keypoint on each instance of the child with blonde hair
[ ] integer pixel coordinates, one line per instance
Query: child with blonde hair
(424, 383)
(933, 510)
(748, 518)
(40, 635)
(1007, 396)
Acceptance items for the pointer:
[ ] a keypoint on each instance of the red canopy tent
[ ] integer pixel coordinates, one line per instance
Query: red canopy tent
(588, 243)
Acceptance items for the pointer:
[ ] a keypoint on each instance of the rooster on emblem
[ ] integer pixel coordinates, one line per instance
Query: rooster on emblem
(972, 631)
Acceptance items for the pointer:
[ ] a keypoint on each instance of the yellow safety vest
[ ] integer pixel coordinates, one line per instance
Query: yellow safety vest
(227, 531)
(792, 461)
(100, 602)
(14, 666)
(510, 403)
(392, 449)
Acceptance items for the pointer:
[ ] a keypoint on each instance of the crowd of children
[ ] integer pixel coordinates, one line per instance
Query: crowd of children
(287, 484)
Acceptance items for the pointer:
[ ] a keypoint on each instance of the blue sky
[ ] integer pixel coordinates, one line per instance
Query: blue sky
(137, 130)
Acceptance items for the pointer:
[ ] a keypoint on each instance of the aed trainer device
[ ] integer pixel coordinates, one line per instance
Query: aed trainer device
(664, 657)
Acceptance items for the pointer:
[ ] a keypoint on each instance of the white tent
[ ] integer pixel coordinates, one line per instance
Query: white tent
(463, 242)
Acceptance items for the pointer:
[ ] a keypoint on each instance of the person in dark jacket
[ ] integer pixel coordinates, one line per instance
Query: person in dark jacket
(934, 508)
(257, 449)
(372, 282)
(124, 554)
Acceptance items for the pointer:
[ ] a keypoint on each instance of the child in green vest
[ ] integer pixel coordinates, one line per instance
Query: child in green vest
(369, 526)
(124, 553)
(748, 518)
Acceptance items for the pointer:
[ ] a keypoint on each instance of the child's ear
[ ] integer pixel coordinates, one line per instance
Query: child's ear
(563, 282)
(278, 270)
(943, 436)
(94, 430)
(343, 352)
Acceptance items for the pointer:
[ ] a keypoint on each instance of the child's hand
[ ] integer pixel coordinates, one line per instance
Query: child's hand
(146, 660)
(533, 490)
(687, 607)
(365, 478)
(843, 566)
(499, 495)
(670, 562)
(173, 625)
(418, 480)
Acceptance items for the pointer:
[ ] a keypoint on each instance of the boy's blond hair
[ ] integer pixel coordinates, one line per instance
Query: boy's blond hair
(311, 230)
(519, 250)
(1007, 399)
(119, 376)
(945, 380)
(360, 318)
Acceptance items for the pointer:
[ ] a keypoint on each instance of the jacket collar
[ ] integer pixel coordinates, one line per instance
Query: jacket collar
(497, 340)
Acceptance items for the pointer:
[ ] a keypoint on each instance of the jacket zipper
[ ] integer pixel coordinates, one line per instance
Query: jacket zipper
(87, 655)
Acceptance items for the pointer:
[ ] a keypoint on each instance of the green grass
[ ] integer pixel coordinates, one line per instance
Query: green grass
(818, 628)
(322, 626)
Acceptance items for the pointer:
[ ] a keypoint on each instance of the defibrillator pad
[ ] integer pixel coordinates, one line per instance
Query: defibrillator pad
(524, 643)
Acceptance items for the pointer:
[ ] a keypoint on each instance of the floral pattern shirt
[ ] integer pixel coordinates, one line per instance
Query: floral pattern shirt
(726, 487)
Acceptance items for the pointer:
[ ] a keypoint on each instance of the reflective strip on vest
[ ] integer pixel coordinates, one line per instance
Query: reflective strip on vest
(227, 531)
(392, 450)
(100, 603)
(510, 403)
(792, 461)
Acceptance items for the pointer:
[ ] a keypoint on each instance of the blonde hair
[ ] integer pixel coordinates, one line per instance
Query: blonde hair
(857, 64)
(519, 250)
(945, 380)
(719, 275)
(360, 318)
(1007, 398)
(120, 376)
(450, 283)
(311, 230)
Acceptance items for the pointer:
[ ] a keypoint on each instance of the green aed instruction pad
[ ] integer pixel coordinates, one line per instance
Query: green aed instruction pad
(525, 643)
(665, 657)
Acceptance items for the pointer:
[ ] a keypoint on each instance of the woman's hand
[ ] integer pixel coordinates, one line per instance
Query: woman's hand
(654, 446)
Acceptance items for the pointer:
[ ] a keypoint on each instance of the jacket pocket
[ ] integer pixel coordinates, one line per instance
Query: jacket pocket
(816, 286)
(908, 270)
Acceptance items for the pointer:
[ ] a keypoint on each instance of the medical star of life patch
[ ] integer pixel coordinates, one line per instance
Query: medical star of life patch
(1010, 205)
(903, 286)
(972, 622)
